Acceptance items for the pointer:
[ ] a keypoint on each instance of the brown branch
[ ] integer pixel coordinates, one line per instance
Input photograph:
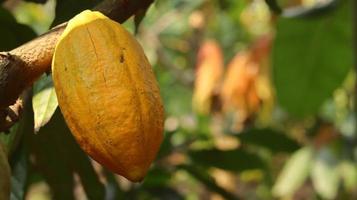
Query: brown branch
(10, 115)
(20, 67)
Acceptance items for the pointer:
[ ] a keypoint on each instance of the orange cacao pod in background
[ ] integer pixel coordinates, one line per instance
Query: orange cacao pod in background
(209, 70)
(108, 94)
(238, 92)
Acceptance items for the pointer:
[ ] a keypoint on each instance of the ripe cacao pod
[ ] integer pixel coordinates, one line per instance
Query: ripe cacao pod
(239, 92)
(108, 94)
(5, 174)
(209, 71)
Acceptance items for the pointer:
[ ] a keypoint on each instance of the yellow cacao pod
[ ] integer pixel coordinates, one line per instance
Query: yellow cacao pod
(108, 94)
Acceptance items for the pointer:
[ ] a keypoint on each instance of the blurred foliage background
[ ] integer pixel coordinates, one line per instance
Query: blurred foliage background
(259, 99)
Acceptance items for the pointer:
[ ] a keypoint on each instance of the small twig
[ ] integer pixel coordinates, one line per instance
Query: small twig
(10, 115)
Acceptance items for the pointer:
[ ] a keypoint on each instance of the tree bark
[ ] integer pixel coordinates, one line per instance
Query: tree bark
(20, 67)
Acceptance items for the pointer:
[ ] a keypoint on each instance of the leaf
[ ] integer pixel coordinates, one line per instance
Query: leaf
(325, 174)
(44, 101)
(270, 139)
(311, 58)
(19, 173)
(51, 162)
(348, 172)
(233, 160)
(164, 192)
(59, 155)
(207, 180)
(66, 9)
(294, 173)
(157, 177)
(113, 191)
(274, 6)
(12, 34)
(5, 173)
(166, 146)
(79, 161)
(37, 1)
(138, 18)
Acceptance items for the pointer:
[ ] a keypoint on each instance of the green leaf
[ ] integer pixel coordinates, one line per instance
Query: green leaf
(311, 58)
(19, 174)
(294, 173)
(79, 161)
(51, 162)
(59, 156)
(44, 101)
(66, 9)
(37, 1)
(166, 146)
(270, 139)
(157, 177)
(233, 160)
(113, 190)
(12, 34)
(204, 177)
(138, 18)
(325, 174)
(274, 6)
(163, 192)
(348, 172)
(5, 173)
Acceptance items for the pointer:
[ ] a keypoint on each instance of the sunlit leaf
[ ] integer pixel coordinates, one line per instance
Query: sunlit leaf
(348, 172)
(294, 173)
(311, 58)
(44, 101)
(325, 174)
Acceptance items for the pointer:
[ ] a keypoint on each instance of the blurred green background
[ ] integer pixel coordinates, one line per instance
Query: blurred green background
(259, 101)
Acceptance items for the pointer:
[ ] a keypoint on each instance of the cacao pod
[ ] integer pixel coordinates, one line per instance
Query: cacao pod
(238, 92)
(5, 174)
(108, 94)
(209, 70)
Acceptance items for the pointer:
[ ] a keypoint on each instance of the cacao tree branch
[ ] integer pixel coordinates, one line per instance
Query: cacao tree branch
(9, 116)
(20, 67)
